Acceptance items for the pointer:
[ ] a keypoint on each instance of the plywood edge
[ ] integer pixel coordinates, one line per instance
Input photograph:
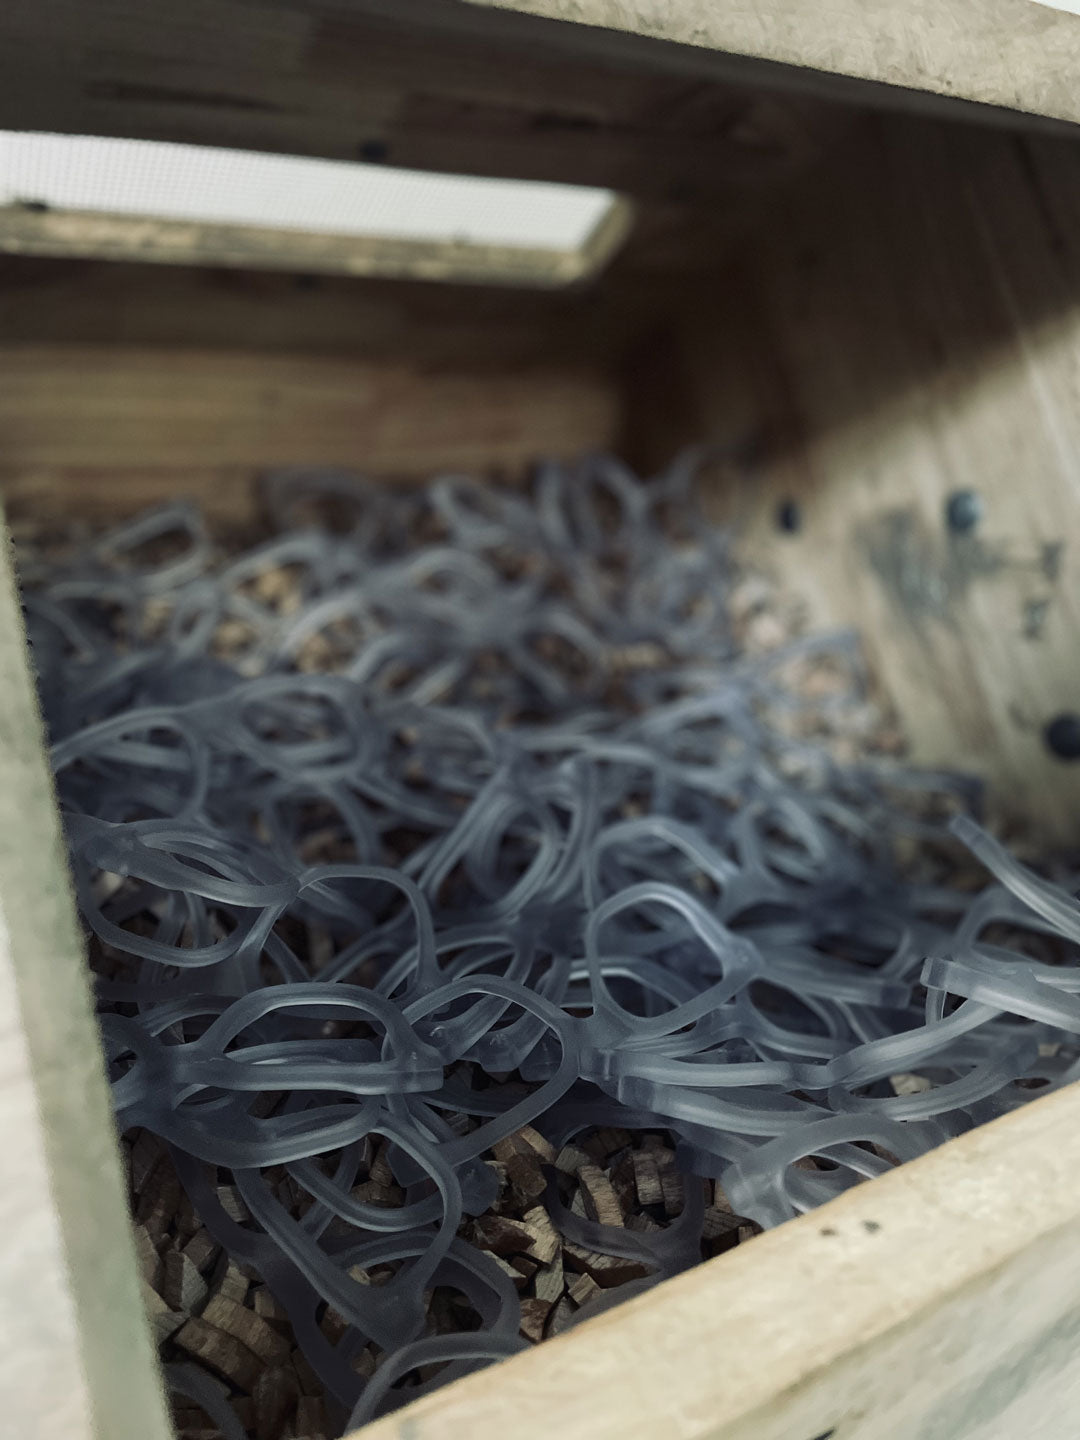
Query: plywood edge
(85, 235)
(77, 1359)
(1013, 54)
(948, 1288)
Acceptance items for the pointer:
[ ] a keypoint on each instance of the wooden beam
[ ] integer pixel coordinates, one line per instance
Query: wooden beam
(84, 235)
(430, 84)
(1008, 53)
(942, 1299)
(77, 1362)
(127, 407)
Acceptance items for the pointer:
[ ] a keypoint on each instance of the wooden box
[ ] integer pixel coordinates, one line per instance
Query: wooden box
(854, 270)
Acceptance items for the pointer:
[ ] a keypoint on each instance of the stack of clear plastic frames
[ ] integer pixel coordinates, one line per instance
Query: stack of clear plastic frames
(444, 812)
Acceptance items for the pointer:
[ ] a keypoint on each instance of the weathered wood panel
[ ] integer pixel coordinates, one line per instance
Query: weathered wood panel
(97, 407)
(76, 1360)
(904, 332)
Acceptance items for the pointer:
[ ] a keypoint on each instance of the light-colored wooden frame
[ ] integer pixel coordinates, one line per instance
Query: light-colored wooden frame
(84, 235)
(76, 1360)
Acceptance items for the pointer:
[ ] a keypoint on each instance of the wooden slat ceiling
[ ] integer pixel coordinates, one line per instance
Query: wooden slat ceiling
(431, 84)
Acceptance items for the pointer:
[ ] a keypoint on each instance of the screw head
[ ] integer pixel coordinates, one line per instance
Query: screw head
(963, 511)
(789, 516)
(1062, 736)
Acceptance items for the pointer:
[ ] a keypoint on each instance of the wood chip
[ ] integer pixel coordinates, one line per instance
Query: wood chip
(186, 1221)
(503, 1182)
(201, 1249)
(164, 1321)
(560, 1319)
(550, 1281)
(525, 1141)
(660, 1151)
(718, 1222)
(229, 1200)
(380, 1170)
(583, 1288)
(504, 1236)
(524, 1266)
(545, 1241)
(250, 1329)
(606, 1270)
(364, 1363)
(534, 1313)
(526, 1178)
(612, 1138)
(601, 1202)
(647, 1179)
(266, 1306)
(274, 1397)
(230, 1281)
(374, 1192)
(146, 1254)
(222, 1352)
(519, 1277)
(570, 1159)
(671, 1183)
(642, 1224)
(183, 1287)
(311, 1422)
(158, 1201)
(145, 1154)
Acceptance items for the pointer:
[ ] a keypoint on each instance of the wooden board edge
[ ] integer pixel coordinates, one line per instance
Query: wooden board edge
(1011, 55)
(50, 1048)
(87, 235)
(868, 1319)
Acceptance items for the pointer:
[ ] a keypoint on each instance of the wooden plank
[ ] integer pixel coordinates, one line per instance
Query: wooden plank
(83, 235)
(47, 301)
(1009, 53)
(126, 407)
(431, 84)
(905, 332)
(77, 1360)
(940, 1300)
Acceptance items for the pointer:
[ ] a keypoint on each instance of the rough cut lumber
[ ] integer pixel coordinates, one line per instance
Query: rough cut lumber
(77, 1361)
(137, 409)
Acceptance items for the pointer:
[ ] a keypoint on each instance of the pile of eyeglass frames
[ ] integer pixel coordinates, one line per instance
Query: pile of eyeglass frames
(567, 859)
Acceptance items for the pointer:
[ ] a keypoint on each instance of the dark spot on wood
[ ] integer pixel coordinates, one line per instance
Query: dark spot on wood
(125, 90)
(963, 511)
(828, 1230)
(1062, 736)
(1035, 613)
(789, 517)
(373, 152)
(1052, 553)
(871, 1227)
